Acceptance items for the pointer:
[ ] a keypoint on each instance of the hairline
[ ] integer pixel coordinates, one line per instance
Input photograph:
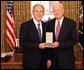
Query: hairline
(39, 6)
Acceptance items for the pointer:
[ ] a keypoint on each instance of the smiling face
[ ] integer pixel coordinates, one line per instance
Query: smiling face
(38, 13)
(58, 11)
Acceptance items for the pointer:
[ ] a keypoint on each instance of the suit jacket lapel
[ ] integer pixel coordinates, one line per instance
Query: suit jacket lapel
(42, 30)
(35, 32)
(53, 27)
(62, 29)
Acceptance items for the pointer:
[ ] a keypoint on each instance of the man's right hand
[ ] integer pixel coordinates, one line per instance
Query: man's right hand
(42, 45)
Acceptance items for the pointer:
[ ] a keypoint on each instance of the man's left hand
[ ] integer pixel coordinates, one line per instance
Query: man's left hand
(55, 44)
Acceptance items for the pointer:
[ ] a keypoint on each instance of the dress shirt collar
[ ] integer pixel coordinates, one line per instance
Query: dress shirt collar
(36, 22)
(61, 20)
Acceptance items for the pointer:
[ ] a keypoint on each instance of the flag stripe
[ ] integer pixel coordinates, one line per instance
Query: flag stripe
(8, 34)
(10, 22)
(12, 29)
(10, 26)
(11, 33)
(10, 17)
(9, 41)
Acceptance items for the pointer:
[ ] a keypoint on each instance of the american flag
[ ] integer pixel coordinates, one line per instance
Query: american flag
(10, 26)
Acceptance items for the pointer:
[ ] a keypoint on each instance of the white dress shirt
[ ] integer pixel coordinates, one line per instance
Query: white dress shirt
(36, 24)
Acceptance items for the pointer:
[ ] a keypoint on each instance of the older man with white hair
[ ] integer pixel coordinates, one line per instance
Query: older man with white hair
(61, 55)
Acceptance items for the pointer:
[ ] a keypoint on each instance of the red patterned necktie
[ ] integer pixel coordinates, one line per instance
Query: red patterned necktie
(57, 30)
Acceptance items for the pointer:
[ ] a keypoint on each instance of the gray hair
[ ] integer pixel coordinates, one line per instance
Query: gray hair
(38, 5)
(61, 5)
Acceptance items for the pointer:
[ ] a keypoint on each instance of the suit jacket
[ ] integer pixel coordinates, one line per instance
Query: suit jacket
(63, 55)
(29, 40)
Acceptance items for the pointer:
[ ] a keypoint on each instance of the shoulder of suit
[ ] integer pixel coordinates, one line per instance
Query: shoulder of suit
(69, 21)
(43, 22)
(27, 22)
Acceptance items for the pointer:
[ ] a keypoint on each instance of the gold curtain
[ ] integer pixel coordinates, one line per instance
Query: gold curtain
(22, 10)
(3, 25)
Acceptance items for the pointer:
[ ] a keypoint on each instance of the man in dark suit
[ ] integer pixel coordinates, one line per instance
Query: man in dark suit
(31, 39)
(64, 37)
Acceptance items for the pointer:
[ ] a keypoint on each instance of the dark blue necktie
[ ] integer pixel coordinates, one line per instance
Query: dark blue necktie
(39, 32)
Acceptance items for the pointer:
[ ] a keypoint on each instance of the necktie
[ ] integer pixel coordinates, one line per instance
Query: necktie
(39, 31)
(57, 30)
